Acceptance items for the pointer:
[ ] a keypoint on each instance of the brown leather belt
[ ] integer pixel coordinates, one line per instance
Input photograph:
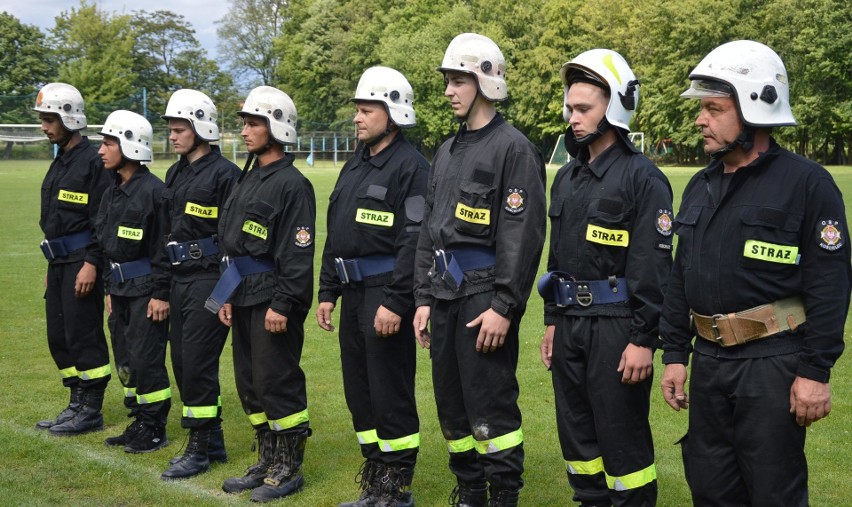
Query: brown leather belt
(753, 324)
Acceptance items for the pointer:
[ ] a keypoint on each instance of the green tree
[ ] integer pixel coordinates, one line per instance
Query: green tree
(25, 64)
(245, 39)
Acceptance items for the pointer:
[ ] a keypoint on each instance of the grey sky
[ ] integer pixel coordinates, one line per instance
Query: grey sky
(201, 14)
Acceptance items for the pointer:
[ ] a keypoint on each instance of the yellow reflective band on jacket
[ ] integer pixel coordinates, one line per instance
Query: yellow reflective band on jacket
(610, 237)
(770, 252)
(374, 217)
(129, 392)
(290, 421)
(461, 445)
(201, 211)
(367, 437)
(255, 229)
(500, 443)
(128, 233)
(161, 395)
(592, 467)
(75, 197)
(473, 215)
(208, 412)
(68, 372)
(258, 419)
(632, 481)
(94, 373)
(400, 444)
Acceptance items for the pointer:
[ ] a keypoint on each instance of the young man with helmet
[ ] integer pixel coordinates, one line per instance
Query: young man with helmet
(264, 294)
(128, 236)
(762, 279)
(74, 303)
(477, 255)
(374, 216)
(196, 188)
(610, 254)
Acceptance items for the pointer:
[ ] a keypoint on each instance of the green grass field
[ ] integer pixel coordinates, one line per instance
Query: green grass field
(38, 469)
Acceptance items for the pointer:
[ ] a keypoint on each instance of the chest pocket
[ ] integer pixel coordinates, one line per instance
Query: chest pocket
(608, 225)
(473, 210)
(201, 203)
(373, 209)
(684, 227)
(130, 233)
(769, 239)
(256, 223)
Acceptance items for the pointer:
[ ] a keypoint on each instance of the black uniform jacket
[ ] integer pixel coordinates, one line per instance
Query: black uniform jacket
(191, 209)
(779, 231)
(486, 189)
(271, 213)
(375, 209)
(70, 196)
(127, 229)
(613, 217)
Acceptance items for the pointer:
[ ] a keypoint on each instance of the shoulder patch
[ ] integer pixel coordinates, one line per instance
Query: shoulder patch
(303, 237)
(830, 237)
(664, 222)
(515, 202)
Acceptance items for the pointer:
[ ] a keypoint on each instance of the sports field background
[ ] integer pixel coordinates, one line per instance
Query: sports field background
(39, 469)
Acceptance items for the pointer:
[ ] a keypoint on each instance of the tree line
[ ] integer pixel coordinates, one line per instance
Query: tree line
(316, 50)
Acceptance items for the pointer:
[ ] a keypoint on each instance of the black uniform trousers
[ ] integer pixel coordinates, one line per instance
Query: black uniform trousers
(266, 367)
(476, 393)
(75, 326)
(145, 342)
(378, 375)
(736, 405)
(598, 417)
(121, 358)
(197, 339)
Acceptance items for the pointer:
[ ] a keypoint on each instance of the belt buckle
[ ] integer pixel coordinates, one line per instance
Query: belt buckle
(225, 263)
(583, 295)
(716, 334)
(441, 255)
(171, 249)
(47, 250)
(194, 250)
(116, 267)
(340, 264)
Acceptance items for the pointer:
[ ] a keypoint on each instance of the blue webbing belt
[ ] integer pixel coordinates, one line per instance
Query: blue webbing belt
(195, 249)
(451, 265)
(561, 288)
(122, 272)
(238, 267)
(64, 245)
(359, 268)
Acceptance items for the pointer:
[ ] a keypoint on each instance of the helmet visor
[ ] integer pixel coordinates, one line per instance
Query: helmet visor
(701, 88)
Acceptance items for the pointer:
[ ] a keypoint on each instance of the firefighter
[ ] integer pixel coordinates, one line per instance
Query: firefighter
(267, 235)
(74, 302)
(374, 216)
(761, 279)
(128, 236)
(196, 188)
(610, 254)
(477, 255)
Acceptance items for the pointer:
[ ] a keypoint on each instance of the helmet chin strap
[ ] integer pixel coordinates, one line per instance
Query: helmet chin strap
(744, 139)
(573, 144)
(69, 134)
(378, 138)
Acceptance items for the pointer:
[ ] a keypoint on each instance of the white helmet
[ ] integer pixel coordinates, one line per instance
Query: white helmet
(64, 100)
(388, 86)
(198, 109)
(478, 55)
(755, 76)
(278, 109)
(134, 134)
(610, 70)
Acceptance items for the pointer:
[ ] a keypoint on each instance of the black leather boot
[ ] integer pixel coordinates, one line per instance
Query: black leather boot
(194, 460)
(67, 412)
(369, 478)
(149, 438)
(215, 449)
(394, 491)
(255, 474)
(504, 497)
(469, 495)
(285, 476)
(128, 434)
(87, 417)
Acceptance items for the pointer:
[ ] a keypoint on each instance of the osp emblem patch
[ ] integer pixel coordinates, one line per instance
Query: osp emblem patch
(303, 237)
(515, 200)
(664, 222)
(830, 237)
